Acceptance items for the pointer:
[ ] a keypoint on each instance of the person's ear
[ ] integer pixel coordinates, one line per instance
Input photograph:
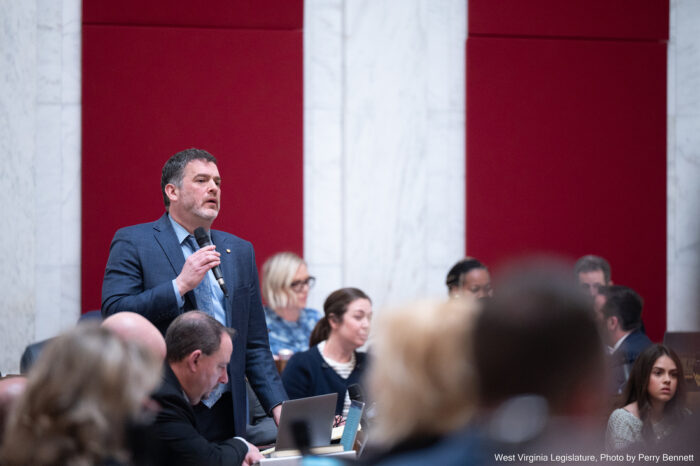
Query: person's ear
(612, 322)
(193, 360)
(171, 191)
(334, 321)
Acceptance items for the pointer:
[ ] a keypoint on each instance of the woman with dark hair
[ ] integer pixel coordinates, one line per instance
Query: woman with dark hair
(332, 363)
(654, 400)
(469, 277)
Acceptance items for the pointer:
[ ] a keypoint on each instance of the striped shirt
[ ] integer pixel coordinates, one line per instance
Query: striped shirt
(343, 369)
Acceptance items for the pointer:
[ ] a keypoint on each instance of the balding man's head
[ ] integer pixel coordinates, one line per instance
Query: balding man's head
(136, 328)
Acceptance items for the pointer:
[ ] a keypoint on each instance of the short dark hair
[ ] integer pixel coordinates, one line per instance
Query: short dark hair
(459, 270)
(191, 331)
(334, 307)
(637, 388)
(625, 304)
(174, 169)
(536, 336)
(591, 263)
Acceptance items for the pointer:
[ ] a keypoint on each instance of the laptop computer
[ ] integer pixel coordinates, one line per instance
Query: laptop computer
(315, 412)
(352, 424)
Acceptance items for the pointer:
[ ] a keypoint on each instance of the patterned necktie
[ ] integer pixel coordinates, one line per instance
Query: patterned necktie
(204, 297)
(203, 291)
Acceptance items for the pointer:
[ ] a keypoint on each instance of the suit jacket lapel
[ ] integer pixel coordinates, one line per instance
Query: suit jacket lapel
(165, 236)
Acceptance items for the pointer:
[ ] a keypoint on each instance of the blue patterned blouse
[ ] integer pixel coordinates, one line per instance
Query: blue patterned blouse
(290, 335)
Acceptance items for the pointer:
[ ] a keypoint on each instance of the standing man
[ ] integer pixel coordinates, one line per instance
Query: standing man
(157, 270)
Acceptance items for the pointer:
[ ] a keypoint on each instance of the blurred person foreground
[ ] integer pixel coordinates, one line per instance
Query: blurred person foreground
(83, 397)
(538, 381)
(423, 378)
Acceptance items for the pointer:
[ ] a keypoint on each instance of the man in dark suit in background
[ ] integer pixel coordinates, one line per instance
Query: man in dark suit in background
(622, 329)
(157, 270)
(592, 273)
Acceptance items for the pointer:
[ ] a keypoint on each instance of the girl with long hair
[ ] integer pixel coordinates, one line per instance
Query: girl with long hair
(654, 400)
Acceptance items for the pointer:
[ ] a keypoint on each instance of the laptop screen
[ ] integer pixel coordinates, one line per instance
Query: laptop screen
(351, 424)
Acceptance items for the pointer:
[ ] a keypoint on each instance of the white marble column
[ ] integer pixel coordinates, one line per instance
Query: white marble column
(384, 145)
(40, 146)
(18, 73)
(683, 254)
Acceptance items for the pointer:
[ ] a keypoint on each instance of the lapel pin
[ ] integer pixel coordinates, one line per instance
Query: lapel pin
(228, 251)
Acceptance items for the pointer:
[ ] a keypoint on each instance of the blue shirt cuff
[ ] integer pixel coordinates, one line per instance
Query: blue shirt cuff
(180, 299)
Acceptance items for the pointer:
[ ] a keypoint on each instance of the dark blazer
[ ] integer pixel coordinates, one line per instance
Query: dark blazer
(143, 261)
(33, 350)
(622, 359)
(261, 429)
(31, 355)
(307, 374)
(176, 428)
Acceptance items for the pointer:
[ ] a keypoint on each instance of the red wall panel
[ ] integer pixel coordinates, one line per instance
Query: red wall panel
(240, 14)
(566, 146)
(621, 19)
(150, 92)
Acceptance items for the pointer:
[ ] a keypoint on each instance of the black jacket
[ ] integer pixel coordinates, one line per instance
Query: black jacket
(176, 428)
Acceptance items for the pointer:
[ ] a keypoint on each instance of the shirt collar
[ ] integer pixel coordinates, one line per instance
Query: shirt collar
(619, 342)
(180, 231)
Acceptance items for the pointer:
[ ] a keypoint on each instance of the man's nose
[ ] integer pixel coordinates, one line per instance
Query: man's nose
(224, 376)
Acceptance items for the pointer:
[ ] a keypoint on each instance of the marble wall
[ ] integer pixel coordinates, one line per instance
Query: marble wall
(40, 143)
(684, 167)
(383, 145)
(384, 148)
(384, 156)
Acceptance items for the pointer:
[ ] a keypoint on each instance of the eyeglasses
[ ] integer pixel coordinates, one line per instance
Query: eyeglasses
(298, 285)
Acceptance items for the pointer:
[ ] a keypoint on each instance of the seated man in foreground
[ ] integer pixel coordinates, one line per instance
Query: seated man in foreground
(198, 352)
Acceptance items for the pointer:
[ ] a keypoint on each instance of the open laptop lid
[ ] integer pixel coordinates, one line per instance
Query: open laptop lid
(316, 412)
(352, 423)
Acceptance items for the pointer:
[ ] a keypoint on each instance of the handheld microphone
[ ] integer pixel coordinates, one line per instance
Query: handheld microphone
(200, 234)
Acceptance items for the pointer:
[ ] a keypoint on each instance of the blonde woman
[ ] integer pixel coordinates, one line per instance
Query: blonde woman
(422, 379)
(285, 287)
(86, 388)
